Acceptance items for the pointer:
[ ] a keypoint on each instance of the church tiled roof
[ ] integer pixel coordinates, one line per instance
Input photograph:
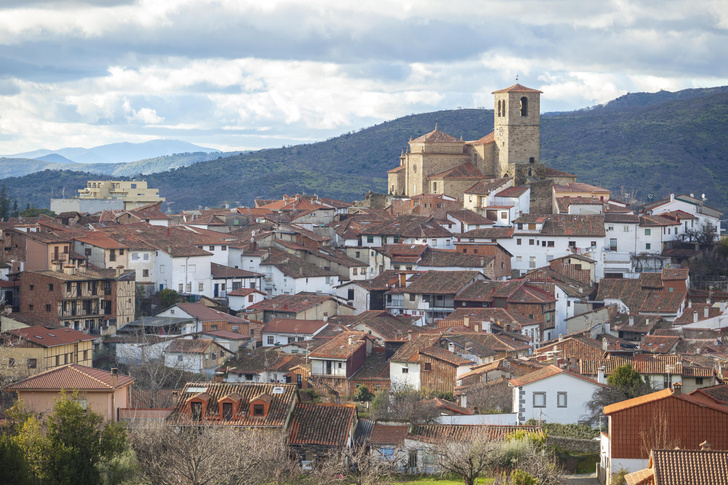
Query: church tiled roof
(517, 88)
(465, 171)
(436, 136)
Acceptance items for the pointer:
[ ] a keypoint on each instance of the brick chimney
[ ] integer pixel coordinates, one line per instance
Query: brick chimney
(677, 389)
(114, 377)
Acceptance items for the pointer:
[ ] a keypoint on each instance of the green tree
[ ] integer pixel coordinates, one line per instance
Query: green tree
(15, 469)
(34, 212)
(625, 383)
(4, 204)
(69, 447)
(363, 394)
(168, 297)
(15, 208)
(628, 380)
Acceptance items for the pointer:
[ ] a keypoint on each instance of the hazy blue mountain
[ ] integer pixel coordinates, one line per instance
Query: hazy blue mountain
(118, 152)
(54, 158)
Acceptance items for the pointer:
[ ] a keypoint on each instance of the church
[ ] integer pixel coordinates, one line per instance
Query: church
(438, 163)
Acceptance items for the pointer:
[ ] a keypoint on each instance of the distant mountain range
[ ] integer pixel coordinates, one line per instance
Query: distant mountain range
(114, 152)
(648, 144)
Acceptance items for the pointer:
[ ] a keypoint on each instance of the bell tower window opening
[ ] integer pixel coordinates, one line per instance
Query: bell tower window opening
(524, 106)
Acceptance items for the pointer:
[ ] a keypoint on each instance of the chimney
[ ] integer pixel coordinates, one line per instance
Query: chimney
(69, 269)
(705, 446)
(402, 280)
(600, 375)
(695, 316)
(561, 337)
(451, 347)
(114, 376)
(409, 335)
(647, 321)
(706, 311)
(219, 376)
(690, 304)
(466, 322)
(677, 389)
(631, 320)
(351, 339)
(605, 344)
(476, 327)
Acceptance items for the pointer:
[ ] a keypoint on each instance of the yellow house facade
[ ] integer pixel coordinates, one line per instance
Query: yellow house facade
(133, 193)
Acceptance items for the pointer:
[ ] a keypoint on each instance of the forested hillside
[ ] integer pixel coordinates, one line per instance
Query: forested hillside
(649, 144)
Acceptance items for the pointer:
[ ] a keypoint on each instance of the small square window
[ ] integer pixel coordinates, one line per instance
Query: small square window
(270, 339)
(428, 366)
(539, 399)
(405, 370)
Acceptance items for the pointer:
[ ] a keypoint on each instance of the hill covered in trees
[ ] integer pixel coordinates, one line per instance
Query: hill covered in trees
(649, 144)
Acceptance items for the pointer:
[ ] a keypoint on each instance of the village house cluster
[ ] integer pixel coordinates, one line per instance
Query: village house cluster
(483, 276)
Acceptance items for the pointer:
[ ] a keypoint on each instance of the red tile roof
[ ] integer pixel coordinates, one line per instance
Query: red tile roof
(282, 398)
(517, 88)
(383, 434)
(433, 433)
(545, 373)
(341, 347)
(689, 467)
(465, 171)
(71, 377)
(291, 303)
(291, 325)
(436, 136)
(206, 314)
(51, 337)
(322, 424)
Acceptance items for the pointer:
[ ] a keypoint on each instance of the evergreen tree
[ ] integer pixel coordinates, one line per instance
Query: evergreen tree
(15, 208)
(4, 204)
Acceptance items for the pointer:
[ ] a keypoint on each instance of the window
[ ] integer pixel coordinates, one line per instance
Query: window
(189, 287)
(145, 273)
(648, 232)
(524, 106)
(50, 286)
(201, 287)
(250, 298)
(370, 239)
(550, 244)
(223, 248)
(539, 399)
(412, 297)
(531, 242)
(121, 252)
(698, 380)
(610, 228)
(532, 262)
(405, 370)
(32, 287)
(613, 244)
(112, 255)
(518, 242)
(561, 399)
(212, 248)
(32, 363)
(593, 244)
(30, 308)
(227, 411)
(350, 294)
(648, 246)
(48, 307)
(181, 287)
(196, 411)
(270, 339)
(258, 410)
(134, 256)
(428, 366)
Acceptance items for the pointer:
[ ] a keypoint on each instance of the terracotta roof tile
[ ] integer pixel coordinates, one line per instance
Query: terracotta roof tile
(464, 171)
(690, 467)
(383, 434)
(45, 337)
(341, 347)
(71, 377)
(436, 136)
(433, 433)
(322, 424)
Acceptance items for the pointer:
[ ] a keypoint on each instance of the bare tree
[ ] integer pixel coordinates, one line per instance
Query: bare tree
(467, 459)
(490, 396)
(404, 405)
(356, 466)
(190, 455)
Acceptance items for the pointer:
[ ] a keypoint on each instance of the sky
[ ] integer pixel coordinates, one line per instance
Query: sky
(240, 74)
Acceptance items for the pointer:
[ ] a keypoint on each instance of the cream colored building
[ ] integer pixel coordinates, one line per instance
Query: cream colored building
(438, 163)
(133, 193)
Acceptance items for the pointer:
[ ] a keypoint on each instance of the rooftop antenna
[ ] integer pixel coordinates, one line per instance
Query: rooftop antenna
(516, 78)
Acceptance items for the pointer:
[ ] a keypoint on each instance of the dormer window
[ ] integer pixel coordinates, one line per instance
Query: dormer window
(258, 410)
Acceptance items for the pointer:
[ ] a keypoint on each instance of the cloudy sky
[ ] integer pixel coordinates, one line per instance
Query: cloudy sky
(241, 74)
